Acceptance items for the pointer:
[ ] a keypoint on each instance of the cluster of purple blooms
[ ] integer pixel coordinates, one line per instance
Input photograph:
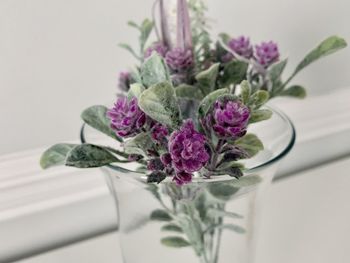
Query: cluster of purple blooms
(181, 60)
(178, 59)
(126, 117)
(188, 152)
(183, 151)
(229, 119)
(186, 149)
(180, 152)
(265, 53)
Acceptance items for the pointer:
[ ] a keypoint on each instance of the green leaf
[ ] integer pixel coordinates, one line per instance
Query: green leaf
(259, 98)
(260, 115)
(154, 71)
(172, 228)
(136, 75)
(245, 91)
(175, 242)
(209, 100)
(234, 172)
(251, 144)
(89, 156)
(55, 155)
(154, 190)
(327, 47)
(135, 90)
(247, 181)
(139, 144)
(275, 71)
(232, 227)
(230, 164)
(156, 177)
(188, 92)
(234, 72)
(129, 48)
(225, 37)
(146, 29)
(295, 91)
(133, 24)
(96, 117)
(190, 222)
(160, 215)
(159, 102)
(207, 79)
(222, 190)
(223, 213)
(232, 169)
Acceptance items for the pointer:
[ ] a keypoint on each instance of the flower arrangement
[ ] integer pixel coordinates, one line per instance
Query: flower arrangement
(185, 110)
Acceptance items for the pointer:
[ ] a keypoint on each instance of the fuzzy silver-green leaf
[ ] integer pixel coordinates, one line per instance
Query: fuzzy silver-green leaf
(328, 46)
(260, 115)
(175, 242)
(89, 156)
(189, 92)
(160, 215)
(154, 71)
(56, 155)
(96, 117)
(159, 102)
(251, 144)
(135, 91)
(207, 79)
(295, 91)
(139, 144)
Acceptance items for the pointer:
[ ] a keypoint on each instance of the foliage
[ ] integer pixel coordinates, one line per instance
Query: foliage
(145, 29)
(212, 92)
(202, 42)
(186, 112)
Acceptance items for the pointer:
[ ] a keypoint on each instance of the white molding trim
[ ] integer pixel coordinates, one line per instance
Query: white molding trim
(42, 210)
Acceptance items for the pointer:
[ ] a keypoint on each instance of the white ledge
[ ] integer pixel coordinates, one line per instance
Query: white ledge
(42, 210)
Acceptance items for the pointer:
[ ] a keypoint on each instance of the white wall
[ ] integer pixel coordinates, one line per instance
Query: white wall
(58, 57)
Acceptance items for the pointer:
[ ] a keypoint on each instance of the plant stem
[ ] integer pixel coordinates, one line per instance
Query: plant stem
(204, 259)
(218, 240)
(215, 158)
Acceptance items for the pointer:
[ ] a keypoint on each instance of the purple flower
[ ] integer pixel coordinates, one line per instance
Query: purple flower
(241, 46)
(266, 53)
(157, 47)
(179, 59)
(126, 117)
(187, 149)
(182, 178)
(159, 132)
(124, 81)
(229, 119)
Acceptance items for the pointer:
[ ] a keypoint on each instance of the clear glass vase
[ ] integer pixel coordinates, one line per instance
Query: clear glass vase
(208, 221)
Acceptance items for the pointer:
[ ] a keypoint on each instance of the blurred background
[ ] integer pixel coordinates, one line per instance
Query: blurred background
(58, 57)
